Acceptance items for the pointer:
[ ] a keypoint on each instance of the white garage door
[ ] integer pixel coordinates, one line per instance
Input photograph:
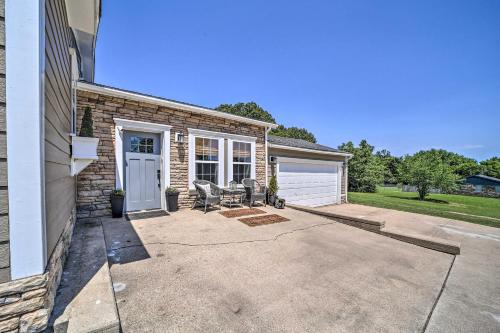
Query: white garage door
(308, 182)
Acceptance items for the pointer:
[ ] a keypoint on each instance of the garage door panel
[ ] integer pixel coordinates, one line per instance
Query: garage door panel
(308, 183)
(298, 178)
(306, 190)
(306, 186)
(315, 196)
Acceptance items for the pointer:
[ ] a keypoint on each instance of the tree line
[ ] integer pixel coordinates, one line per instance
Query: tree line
(254, 111)
(435, 168)
(426, 169)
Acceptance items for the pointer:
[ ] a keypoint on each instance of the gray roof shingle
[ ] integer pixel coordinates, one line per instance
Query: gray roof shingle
(298, 143)
(493, 179)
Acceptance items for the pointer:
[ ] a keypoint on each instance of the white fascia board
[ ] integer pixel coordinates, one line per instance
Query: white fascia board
(169, 104)
(25, 72)
(219, 135)
(305, 150)
(307, 161)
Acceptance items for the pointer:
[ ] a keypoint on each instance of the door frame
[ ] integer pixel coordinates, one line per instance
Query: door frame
(315, 161)
(141, 126)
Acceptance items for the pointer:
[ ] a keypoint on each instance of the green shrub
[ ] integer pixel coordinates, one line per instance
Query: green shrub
(87, 129)
(118, 193)
(171, 190)
(273, 185)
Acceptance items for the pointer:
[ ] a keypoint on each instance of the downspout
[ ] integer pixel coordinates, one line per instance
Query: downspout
(346, 181)
(267, 157)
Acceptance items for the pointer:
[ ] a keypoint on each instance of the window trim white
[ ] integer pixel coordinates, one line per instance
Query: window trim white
(195, 133)
(230, 162)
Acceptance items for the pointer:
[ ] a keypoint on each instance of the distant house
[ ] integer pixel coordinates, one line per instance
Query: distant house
(481, 181)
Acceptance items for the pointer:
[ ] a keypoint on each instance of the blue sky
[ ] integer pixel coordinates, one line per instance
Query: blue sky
(405, 75)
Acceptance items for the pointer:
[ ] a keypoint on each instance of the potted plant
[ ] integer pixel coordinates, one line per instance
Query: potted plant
(85, 145)
(172, 195)
(272, 191)
(117, 198)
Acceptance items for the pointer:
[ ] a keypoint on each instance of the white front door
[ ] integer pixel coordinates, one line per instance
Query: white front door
(143, 181)
(308, 182)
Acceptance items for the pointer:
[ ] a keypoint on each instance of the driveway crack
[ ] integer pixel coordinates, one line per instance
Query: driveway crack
(273, 239)
(439, 295)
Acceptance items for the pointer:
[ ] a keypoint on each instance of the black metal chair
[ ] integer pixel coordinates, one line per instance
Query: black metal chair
(254, 191)
(207, 197)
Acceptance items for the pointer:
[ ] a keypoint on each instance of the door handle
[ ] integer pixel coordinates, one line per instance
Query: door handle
(158, 175)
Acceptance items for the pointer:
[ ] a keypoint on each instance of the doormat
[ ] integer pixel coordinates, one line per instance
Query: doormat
(241, 212)
(145, 215)
(263, 220)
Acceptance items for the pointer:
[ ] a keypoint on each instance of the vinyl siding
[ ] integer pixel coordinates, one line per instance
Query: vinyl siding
(59, 184)
(4, 208)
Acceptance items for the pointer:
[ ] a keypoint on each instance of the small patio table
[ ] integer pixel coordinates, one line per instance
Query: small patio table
(230, 196)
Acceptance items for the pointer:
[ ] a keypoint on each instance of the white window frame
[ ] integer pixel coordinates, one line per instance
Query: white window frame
(193, 134)
(230, 162)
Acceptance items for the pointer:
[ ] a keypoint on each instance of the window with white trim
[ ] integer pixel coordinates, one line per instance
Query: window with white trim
(206, 159)
(242, 160)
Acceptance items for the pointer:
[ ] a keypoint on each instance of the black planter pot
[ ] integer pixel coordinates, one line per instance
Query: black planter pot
(172, 201)
(117, 206)
(271, 199)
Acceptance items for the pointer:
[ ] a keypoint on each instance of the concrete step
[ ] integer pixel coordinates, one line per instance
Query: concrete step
(379, 227)
(85, 300)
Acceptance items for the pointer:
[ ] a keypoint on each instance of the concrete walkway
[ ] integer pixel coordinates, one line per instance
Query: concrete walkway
(85, 300)
(470, 301)
(191, 272)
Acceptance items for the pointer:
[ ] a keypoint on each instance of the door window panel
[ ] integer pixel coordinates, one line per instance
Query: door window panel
(141, 145)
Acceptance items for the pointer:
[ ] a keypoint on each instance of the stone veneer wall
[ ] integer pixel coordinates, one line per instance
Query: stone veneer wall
(96, 182)
(26, 304)
(4, 196)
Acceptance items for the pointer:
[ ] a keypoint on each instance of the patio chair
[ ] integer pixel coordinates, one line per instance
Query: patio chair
(207, 195)
(254, 191)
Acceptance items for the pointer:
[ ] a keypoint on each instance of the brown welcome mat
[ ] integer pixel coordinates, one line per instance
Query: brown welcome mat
(263, 220)
(241, 212)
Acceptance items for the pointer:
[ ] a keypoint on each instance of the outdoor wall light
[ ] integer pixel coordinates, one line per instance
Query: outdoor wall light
(179, 137)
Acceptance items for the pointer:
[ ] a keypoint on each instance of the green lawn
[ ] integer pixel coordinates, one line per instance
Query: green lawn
(478, 210)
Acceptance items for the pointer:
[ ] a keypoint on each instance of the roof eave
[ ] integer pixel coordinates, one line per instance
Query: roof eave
(166, 103)
(306, 150)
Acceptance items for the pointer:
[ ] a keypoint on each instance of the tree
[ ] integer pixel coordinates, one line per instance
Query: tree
(294, 132)
(249, 110)
(87, 128)
(425, 170)
(491, 167)
(390, 164)
(365, 170)
(254, 111)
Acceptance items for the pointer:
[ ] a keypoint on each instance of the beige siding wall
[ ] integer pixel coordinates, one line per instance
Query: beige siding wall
(60, 188)
(4, 209)
(96, 182)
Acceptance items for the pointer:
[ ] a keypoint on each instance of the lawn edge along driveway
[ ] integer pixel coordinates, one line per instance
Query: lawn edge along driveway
(478, 210)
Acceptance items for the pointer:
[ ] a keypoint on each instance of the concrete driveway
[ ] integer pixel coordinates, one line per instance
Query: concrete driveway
(470, 302)
(191, 272)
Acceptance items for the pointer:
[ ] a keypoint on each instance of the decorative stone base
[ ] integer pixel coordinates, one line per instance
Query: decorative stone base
(26, 304)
